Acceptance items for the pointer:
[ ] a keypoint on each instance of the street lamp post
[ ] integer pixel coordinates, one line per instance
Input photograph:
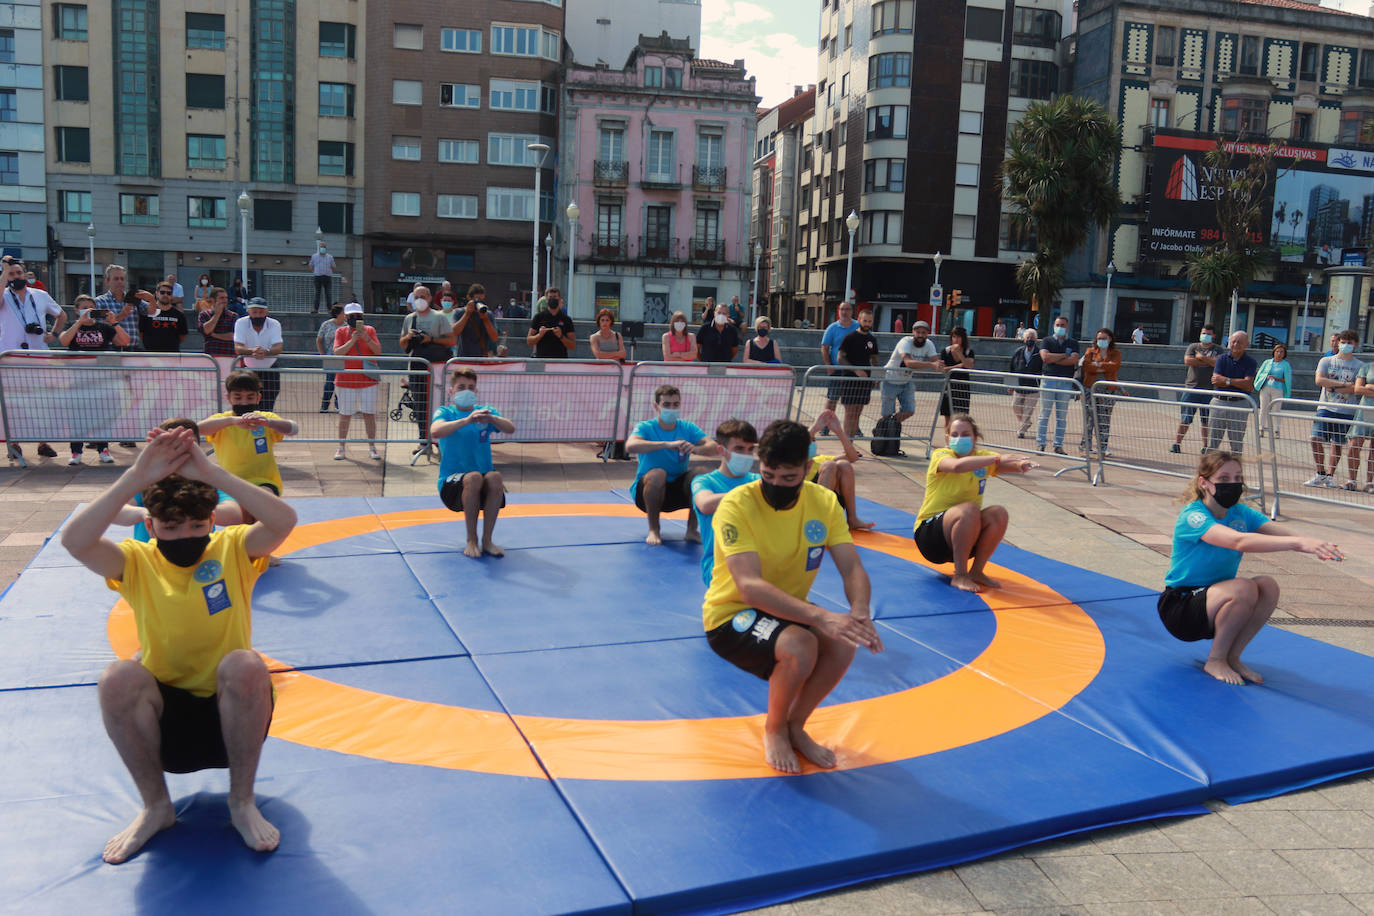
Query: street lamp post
(1231, 327)
(1108, 313)
(758, 256)
(244, 203)
(548, 260)
(543, 150)
(573, 213)
(851, 222)
(935, 316)
(90, 242)
(1306, 300)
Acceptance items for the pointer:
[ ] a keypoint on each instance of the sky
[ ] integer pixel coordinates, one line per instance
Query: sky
(776, 38)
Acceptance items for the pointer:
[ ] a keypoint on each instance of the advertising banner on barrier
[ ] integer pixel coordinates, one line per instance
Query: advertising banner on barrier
(713, 392)
(64, 396)
(551, 401)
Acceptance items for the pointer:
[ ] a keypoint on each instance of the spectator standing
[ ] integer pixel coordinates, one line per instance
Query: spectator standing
(178, 292)
(1102, 362)
(1336, 376)
(93, 331)
(1020, 330)
(324, 345)
(355, 388)
(163, 327)
(473, 328)
(1234, 372)
(217, 327)
(322, 266)
(999, 330)
(238, 293)
(202, 291)
(717, 339)
(830, 350)
(606, 342)
(258, 341)
(1334, 344)
(126, 309)
(1138, 335)
(916, 352)
(1059, 354)
(1027, 364)
(1200, 358)
(897, 325)
(736, 313)
(1274, 380)
(34, 282)
(762, 348)
(551, 332)
(678, 345)
(24, 314)
(955, 357)
(1364, 387)
(859, 349)
(426, 335)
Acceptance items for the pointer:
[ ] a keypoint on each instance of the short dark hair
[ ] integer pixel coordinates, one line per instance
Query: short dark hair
(217, 291)
(736, 429)
(663, 391)
(1349, 335)
(175, 499)
(1209, 327)
(476, 289)
(464, 372)
(181, 423)
(552, 291)
(243, 380)
(784, 442)
(335, 310)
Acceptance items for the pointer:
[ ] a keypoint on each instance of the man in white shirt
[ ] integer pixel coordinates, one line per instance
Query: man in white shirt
(322, 266)
(258, 341)
(917, 352)
(1138, 335)
(24, 313)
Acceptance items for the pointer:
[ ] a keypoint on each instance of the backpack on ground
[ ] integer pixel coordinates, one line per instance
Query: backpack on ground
(887, 436)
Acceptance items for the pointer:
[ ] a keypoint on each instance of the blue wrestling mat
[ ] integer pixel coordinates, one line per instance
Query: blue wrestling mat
(550, 733)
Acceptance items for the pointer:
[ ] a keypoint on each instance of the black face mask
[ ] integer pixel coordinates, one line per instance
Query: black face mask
(1228, 494)
(19, 283)
(780, 497)
(257, 323)
(184, 552)
(554, 305)
(762, 332)
(241, 409)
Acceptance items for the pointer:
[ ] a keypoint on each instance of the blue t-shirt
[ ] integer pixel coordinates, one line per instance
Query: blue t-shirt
(835, 335)
(1230, 367)
(672, 463)
(466, 449)
(1059, 346)
(1195, 563)
(715, 482)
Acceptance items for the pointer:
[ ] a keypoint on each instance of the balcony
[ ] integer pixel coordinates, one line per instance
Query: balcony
(708, 177)
(657, 248)
(608, 247)
(612, 173)
(660, 179)
(711, 251)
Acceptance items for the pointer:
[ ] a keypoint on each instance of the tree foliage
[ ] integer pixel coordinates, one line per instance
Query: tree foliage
(1058, 175)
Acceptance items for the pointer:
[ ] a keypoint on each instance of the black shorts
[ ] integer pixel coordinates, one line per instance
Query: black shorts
(954, 401)
(677, 494)
(452, 491)
(1183, 612)
(856, 391)
(192, 738)
(931, 541)
(747, 640)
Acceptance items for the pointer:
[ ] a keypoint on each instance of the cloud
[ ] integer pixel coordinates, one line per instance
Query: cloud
(724, 15)
(778, 60)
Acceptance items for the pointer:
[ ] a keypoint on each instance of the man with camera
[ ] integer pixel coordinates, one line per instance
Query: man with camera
(126, 305)
(93, 331)
(473, 328)
(551, 331)
(355, 388)
(427, 335)
(23, 324)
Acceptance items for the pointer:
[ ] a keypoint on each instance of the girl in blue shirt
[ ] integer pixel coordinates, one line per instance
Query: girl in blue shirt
(1203, 598)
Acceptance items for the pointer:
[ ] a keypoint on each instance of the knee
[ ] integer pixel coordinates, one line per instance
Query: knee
(493, 478)
(995, 517)
(242, 671)
(655, 478)
(797, 646)
(1267, 586)
(962, 514)
(122, 682)
(472, 483)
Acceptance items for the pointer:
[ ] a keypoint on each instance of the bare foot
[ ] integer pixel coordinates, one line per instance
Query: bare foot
(692, 536)
(965, 583)
(149, 823)
(472, 550)
(257, 832)
(1245, 671)
(653, 539)
(858, 524)
(985, 580)
(805, 745)
(489, 548)
(1222, 671)
(777, 750)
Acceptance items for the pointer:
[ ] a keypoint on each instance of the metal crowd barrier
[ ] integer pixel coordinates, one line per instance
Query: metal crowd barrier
(712, 392)
(550, 400)
(66, 395)
(1142, 422)
(871, 395)
(1291, 424)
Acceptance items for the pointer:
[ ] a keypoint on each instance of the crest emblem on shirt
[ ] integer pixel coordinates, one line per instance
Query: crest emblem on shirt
(1196, 519)
(208, 571)
(729, 533)
(814, 531)
(980, 472)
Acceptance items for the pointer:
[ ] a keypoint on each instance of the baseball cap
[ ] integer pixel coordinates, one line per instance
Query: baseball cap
(353, 308)
(257, 302)
(921, 324)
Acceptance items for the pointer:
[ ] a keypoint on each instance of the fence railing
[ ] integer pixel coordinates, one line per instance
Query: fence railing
(712, 392)
(1296, 436)
(884, 392)
(554, 400)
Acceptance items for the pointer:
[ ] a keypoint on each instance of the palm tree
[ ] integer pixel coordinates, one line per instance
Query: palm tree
(1058, 174)
(1294, 219)
(1280, 214)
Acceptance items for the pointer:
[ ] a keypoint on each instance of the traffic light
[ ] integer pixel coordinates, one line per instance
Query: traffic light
(955, 296)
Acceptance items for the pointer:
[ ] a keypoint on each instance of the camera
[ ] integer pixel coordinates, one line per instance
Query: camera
(33, 327)
(131, 297)
(482, 309)
(353, 320)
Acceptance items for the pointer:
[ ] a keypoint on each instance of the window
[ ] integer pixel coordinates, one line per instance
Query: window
(69, 21)
(205, 213)
(609, 224)
(982, 24)
(966, 174)
(975, 71)
(204, 151)
(272, 91)
(884, 175)
(405, 203)
(271, 215)
(1366, 70)
(205, 30)
(512, 149)
(71, 84)
(1249, 55)
(1302, 126)
(964, 227)
(406, 92)
(848, 36)
(659, 163)
(1164, 46)
(1307, 62)
(1244, 116)
(204, 90)
(408, 37)
(887, 122)
(710, 150)
(548, 99)
(11, 232)
(407, 149)
(336, 158)
(653, 76)
(335, 218)
(460, 260)
(9, 105)
(1038, 28)
(1159, 113)
(138, 210)
(890, 16)
(73, 144)
(459, 151)
(338, 39)
(1016, 233)
(336, 100)
(9, 168)
(74, 207)
(658, 230)
(706, 226)
(515, 39)
(551, 48)
(456, 206)
(461, 95)
(893, 69)
(610, 144)
(6, 46)
(1034, 79)
(462, 41)
(514, 95)
(674, 77)
(1355, 126)
(970, 122)
(881, 227)
(512, 203)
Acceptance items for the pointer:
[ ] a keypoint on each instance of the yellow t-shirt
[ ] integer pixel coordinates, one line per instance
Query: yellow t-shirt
(247, 453)
(817, 463)
(790, 544)
(944, 491)
(189, 618)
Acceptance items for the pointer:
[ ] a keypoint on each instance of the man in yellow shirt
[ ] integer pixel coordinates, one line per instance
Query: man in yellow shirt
(197, 696)
(770, 538)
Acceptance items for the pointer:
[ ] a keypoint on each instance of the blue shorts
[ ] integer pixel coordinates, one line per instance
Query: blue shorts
(901, 395)
(1335, 433)
(1196, 396)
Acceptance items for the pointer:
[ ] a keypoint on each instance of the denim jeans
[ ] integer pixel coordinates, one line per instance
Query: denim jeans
(1055, 394)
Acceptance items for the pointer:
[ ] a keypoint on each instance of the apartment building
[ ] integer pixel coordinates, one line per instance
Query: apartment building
(456, 96)
(23, 209)
(777, 201)
(605, 32)
(161, 116)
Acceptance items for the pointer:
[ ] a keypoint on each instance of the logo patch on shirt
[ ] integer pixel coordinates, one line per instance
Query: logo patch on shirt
(260, 440)
(813, 557)
(980, 472)
(1196, 519)
(729, 533)
(208, 571)
(743, 620)
(814, 531)
(216, 597)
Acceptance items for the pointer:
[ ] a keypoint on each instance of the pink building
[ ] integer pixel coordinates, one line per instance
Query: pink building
(658, 158)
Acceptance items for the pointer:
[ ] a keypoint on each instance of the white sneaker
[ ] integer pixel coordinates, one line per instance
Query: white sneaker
(106, 457)
(1318, 480)
(339, 454)
(372, 453)
(1330, 481)
(74, 461)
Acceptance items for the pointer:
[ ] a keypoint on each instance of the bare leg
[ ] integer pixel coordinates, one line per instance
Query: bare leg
(344, 422)
(370, 424)
(1335, 459)
(832, 661)
(1352, 460)
(795, 652)
(843, 484)
(245, 708)
(496, 490)
(131, 706)
(693, 535)
(851, 419)
(1264, 608)
(1318, 457)
(1230, 605)
(472, 505)
(653, 484)
(963, 525)
(994, 522)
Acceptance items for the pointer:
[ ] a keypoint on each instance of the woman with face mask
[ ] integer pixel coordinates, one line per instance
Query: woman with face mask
(1101, 362)
(1203, 598)
(202, 292)
(678, 345)
(953, 525)
(763, 348)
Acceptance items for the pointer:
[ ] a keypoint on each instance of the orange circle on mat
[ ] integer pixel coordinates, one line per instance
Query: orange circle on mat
(1044, 652)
